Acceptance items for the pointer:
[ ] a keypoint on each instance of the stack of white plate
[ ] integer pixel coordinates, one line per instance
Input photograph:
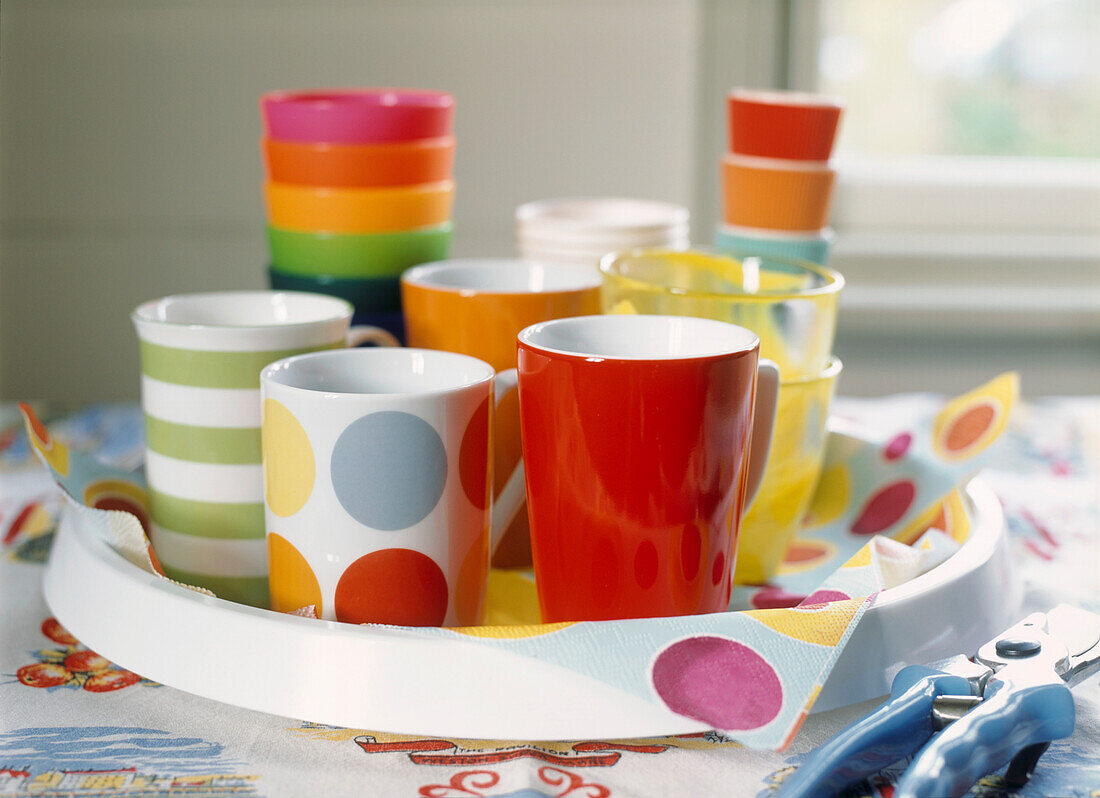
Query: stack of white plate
(584, 230)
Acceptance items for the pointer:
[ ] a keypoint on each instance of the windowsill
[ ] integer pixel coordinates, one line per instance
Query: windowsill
(968, 195)
(970, 283)
(998, 310)
(1042, 247)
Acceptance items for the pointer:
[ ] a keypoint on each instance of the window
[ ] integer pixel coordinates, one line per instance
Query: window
(964, 77)
(969, 156)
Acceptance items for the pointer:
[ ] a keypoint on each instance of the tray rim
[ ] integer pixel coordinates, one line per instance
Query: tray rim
(569, 706)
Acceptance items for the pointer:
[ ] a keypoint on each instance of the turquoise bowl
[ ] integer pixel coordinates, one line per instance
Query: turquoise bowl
(740, 242)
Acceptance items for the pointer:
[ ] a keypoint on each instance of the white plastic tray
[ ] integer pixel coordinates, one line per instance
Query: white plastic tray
(385, 679)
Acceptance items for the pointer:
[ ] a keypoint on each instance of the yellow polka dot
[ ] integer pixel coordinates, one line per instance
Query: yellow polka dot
(860, 559)
(831, 497)
(512, 632)
(622, 307)
(293, 584)
(288, 464)
(958, 522)
(825, 626)
(511, 599)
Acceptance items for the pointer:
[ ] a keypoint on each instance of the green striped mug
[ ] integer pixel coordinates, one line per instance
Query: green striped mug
(201, 357)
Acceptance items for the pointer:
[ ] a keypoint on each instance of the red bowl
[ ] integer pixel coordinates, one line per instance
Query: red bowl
(782, 124)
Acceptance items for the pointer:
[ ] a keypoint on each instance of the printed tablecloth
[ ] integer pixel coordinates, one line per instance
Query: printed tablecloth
(73, 724)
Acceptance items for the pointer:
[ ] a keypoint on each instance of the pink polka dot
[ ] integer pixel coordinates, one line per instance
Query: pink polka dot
(604, 579)
(898, 446)
(645, 564)
(771, 597)
(824, 597)
(885, 508)
(718, 681)
(691, 549)
(717, 569)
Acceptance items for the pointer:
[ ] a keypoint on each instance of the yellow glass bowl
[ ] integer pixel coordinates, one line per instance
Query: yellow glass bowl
(791, 304)
(794, 464)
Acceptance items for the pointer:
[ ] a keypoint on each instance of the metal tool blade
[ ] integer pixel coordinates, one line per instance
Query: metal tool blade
(1079, 630)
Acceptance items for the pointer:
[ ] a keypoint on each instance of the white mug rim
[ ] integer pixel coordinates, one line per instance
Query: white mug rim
(426, 276)
(745, 341)
(141, 315)
(270, 375)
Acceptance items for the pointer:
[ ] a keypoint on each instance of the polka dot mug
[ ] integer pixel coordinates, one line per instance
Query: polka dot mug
(377, 476)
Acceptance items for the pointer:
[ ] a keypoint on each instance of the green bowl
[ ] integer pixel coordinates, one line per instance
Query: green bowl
(369, 295)
(317, 254)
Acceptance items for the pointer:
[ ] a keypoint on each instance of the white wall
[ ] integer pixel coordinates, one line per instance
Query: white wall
(129, 157)
(130, 165)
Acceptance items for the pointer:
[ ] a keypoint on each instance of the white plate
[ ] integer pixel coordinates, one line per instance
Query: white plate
(383, 678)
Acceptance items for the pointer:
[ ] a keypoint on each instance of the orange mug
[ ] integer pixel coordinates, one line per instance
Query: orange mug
(477, 307)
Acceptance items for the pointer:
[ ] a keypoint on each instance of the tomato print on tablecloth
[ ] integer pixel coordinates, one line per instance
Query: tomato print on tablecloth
(74, 666)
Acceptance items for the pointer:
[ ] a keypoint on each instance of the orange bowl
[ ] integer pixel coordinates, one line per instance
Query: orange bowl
(776, 195)
(398, 163)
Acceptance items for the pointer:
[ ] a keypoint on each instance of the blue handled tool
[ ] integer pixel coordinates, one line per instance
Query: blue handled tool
(966, 718)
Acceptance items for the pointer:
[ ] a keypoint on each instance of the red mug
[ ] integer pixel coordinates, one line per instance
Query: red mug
(636, 445)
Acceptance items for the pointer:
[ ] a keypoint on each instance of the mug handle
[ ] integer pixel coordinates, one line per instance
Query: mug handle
(760, 442)
(367, 334)
(507, 504)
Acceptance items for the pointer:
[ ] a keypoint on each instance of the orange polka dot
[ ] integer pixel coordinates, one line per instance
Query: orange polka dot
(55, 453)
(969, 427)
(947, 515)
(803, 551)
(472, 578)
(968, 424)
(805, 554)
(293, 583)
(473, 458)
(154, 560)
(118, 494)
(395, 586)
(36, 426)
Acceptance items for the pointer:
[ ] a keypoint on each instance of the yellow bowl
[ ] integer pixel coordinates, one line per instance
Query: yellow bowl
(358, 210)
(790, 303)
(794, 464)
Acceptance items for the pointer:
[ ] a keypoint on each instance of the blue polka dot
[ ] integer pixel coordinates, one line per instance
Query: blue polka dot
(389, 469)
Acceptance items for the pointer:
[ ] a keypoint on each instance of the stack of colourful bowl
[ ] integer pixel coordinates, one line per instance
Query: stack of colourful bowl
(359, 188)
(776, 180)
(584, 230)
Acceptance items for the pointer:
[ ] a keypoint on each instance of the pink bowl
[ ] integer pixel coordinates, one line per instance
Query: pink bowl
(356, 116)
